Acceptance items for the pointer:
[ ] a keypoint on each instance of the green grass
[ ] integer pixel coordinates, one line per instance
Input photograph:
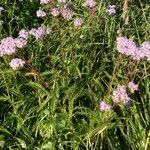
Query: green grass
(53, 102)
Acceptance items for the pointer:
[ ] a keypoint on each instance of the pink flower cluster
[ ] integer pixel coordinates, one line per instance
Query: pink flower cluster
(40, 13)
(24, 34)
(16, 63)
(111, 9)
(133, 87)
(20, 42)
(66, 12)
(89, 3)
(39, 33)
(104, 106)
(128, 47)
(55, 12)
(9, 44)
(120, 94)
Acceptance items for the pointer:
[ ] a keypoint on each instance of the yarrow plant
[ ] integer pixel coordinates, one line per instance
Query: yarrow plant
(16, 63)
(128, 47)
(7, 46)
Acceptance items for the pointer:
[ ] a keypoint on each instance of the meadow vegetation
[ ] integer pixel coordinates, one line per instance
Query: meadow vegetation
(75, 75)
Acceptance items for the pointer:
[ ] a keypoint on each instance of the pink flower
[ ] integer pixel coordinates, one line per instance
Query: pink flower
(120, 95)
(67, 13)
(130, 48)
(16, 63)
(111, 9)
(38, 33)
(40, 13)
(7, 46)
(44, 1)
(145, 49)
(104, 106)
(78, 22)
(24, 34)
(89, 3)
(133, 87)
(55, 12)
(20, 42)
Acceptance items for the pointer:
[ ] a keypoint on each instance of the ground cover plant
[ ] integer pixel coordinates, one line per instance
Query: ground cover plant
(75, 75)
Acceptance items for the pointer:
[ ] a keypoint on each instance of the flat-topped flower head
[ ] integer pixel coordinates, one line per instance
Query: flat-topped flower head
(89, 3)
(40, 13)
(16, 63)
(130, 48)
(104, 106)
(67, 13)
(7, 46)
(126, 46)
